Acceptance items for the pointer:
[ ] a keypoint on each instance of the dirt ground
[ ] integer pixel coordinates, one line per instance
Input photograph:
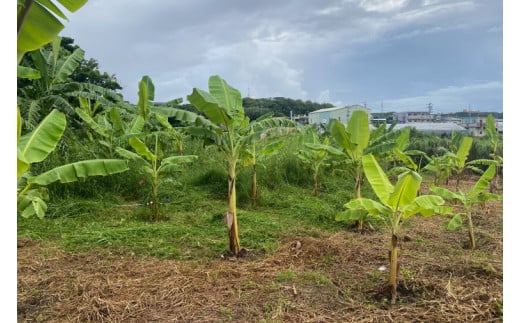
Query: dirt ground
(332, 278)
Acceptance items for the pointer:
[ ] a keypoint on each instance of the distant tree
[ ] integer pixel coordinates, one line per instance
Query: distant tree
(280, 106)
(88, 72)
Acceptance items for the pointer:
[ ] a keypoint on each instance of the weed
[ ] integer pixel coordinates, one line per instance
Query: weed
(286, 276)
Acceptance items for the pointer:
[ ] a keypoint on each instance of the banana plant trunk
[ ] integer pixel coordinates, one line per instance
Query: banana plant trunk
(472, 244)
(254, 191)
(394, 268)
(493, 188)
(181, 148)
(234, 243)
(154, 207)
(358, 195)
(315, 185)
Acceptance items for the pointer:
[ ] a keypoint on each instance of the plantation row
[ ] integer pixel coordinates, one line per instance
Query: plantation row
(147, 144)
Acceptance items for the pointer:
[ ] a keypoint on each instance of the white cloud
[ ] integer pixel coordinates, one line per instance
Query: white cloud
(382, 5)
(433, 11)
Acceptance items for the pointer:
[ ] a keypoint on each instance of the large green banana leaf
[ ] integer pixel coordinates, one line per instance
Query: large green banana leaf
(136, 126)
(141, 148)
(25, 72)
(359, 131)
(131, 155)
(146, 97)
(426, 205)
(483, 182)
(463, 151)
(491, 129)
(37, 23)
(33, 202)
(184, 116)
(38, 144)
(207, 104)
(405, 190)
(83, 169)
(373, 207)
(377, 178)
(115, 118)
(340, 135)
(179, 159)
(446, 193)
(92, 123)
(227, 96)
(69, 65)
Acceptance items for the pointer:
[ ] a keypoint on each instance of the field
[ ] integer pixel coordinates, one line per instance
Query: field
(109, 265)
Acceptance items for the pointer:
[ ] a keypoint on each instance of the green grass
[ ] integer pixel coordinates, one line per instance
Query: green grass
(194, 227)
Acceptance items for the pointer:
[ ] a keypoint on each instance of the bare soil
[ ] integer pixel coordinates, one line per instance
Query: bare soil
(334, 278)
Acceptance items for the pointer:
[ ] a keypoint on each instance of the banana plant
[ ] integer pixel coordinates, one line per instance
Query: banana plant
(178, 135)
(454, 161)
(254, 156)
(400, 152)
(468, 199)
(47, 91)
(227, 127)
(223, 107)
(264, 145)
(113, 129)
(396, 205)
(34, 147)
(316, 155)
(54, 89)
(38, 23)
(440, 166)
(155, 167)
(354, 140)
(459, 159)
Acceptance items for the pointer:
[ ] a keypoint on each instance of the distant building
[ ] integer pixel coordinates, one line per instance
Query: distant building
(499, 126)
(413, 116)
(341, 113)
(434, 128)
(474, 121)
(302, 119)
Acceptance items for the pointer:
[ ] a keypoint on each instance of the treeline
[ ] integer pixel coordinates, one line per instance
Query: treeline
(280, 106)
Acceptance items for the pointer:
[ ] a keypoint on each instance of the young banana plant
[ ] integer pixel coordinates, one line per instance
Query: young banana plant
(396, 204)
(355, 141)
(155, 167)
(316, 155)
(228, 128)
(111, 127)
(401, 153)
(468, 200)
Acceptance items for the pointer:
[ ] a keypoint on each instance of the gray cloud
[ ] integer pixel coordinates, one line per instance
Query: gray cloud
(357, 51)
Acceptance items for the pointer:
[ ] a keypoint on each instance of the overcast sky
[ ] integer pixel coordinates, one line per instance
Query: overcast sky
(392, 55)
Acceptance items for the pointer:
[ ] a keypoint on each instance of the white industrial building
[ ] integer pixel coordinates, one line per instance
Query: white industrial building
(341, 113)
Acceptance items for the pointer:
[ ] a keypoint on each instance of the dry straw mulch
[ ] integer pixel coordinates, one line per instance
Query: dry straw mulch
(329, 278)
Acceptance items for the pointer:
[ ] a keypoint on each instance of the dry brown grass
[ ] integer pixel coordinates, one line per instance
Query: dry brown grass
(334, 278)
